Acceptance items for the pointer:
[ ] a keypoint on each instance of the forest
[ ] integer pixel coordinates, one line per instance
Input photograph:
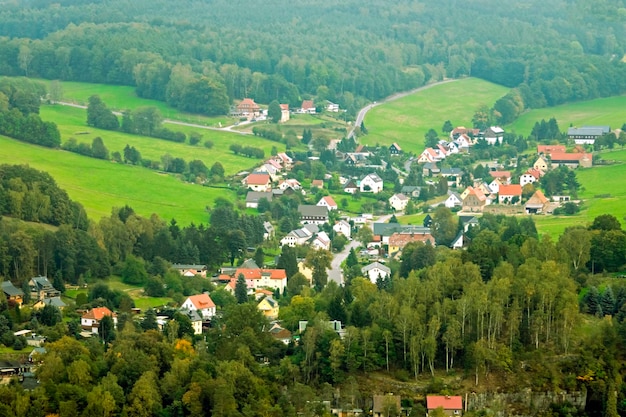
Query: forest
(449, 321)
(200, 56)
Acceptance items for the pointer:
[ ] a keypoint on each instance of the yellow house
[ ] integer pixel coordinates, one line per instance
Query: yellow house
(541, 164)
(269, 307)
(306, 271)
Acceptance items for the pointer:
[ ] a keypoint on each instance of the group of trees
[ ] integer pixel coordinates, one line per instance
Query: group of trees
(249, 151)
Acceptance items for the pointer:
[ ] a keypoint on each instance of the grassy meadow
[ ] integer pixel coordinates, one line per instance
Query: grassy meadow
(407, 119)
(72, 123)
(100, 185)
(601, 111)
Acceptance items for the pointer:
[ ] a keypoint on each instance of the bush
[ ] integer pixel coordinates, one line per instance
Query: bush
(208, 144)
(20, 343)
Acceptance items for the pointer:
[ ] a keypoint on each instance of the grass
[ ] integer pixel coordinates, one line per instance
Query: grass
(416, 219)
(121, 97)
(602, 111)
(72, 123)
(407, 120)
(100, 185)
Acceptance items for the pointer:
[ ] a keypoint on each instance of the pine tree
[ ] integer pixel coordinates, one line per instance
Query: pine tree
(241, 290)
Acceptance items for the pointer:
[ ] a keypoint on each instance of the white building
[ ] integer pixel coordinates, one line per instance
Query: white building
(372, 183)
(201, 303)
(375, 270)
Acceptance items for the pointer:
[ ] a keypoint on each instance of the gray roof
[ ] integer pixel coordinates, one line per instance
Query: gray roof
(307, 210)
(588, 130)
(451, 171)
(255, 196)
(374, 177)
(192, 314)
(54, 301)
(10, 289)
(376, 265)
(410, 188)
(387, 229)
(42, 282)
(249, 264)
(188, 266)
(313, 228)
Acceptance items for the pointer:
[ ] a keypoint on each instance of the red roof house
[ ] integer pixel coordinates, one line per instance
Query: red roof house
(201, 303)
(507, 193)
(258, 181)
(90, 321)
(452, 405)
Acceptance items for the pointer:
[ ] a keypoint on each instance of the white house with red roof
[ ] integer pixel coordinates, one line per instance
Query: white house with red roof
(248, 108)
(321, 241)
(258, 181)
(201, 303)
(284, 113)
(90, 320)
(263, 278)
(308, 107)
(529, 177)
(510, 193)
(451, 405)
(292, 183)
(503, 176)
(328, 202)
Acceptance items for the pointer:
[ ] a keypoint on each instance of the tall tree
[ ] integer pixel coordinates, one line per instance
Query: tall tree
(241, 289)
(274, 111)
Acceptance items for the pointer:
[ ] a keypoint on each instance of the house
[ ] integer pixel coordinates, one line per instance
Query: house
(399, 240)
(457, 243)
(247, 108)
(494, 134)
(541, 164)
(292, 183)
(253, 197)
(463, 131)
(411, 191)
(371, 183)
(453, 175)
(395, 149)
(350, 187)
(284, 159)
(468, 221)
(548, 149)
(12, 293)
(529, 177)
(90, 321)
(463, 142)
(275, 279)
(53, 301)
(284, 113)
(572, 160)
(313, 214)
(510, 194)
(376, 270)
(398, 202)
(269, 169)
(201, 303)
(280, 334)
(269, 230)
(475, 200)
(40, 287)
(190, 270)
(432, 155)
(587, 135)
(428, 221)
(494, 186)
(386, 405)
(195, 317)
(269, 307)
(536, 204)
(503, 176)
(342, 227)
(430, 168)
(327, 202)
(258, 181)
(452, 405)
(317, 184)
(321, 241)
(332, 107)
(454, 200)
(300, 236)
(308, 107)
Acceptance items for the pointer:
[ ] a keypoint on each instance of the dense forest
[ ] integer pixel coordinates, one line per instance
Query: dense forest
(514, 310)
(199, 56)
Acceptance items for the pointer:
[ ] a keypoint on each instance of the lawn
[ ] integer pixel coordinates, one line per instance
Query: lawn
(407, 120)
(100, 185)
(122, 97)
(602, 111)
(72, 123)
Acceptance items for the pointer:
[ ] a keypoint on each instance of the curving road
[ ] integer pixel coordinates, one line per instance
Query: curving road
(364, 110)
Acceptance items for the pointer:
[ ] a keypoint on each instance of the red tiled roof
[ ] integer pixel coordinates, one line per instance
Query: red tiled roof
(478, 193)
(401, 239)
(513, 189)
(550, 148)
(98, 313)
(534, 172)
(557, 156)
(308, 104)
(329, 201)
(447, 402)
(284, 106)
(248, 103)
(500, 174)
(257, 273)
(258, 179)
(202, 301)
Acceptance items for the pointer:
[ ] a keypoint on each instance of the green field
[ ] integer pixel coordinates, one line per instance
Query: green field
(100, 185)
(602, 111)
(407, 120)
(595, 182)
(122, 97)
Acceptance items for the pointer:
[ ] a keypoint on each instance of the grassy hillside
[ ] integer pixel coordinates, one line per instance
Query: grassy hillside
(602, 111)
(603, 191)
(100, 185)
(406, 120)
(72, 123)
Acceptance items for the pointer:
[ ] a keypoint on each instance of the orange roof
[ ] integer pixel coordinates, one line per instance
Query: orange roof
(317, 183)
(329, 201)
(258, 179)
(537, 198)
(550, 148)
(513, 189)
(258, 273)
(308, 104)
(202, 301)
(556, 156)
(401, 239)
(477, 192)
(248, 103)
(447, 402)
(284, 106)
(98, 313)
(500, 174)
(534, 172)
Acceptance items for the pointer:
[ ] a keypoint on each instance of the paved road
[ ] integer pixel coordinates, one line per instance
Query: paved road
(172, 122)
(364, 110)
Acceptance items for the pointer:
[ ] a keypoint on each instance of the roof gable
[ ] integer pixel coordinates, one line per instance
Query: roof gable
(201, 301)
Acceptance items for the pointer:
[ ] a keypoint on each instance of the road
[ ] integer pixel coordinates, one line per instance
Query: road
(335, 273)
(364, 110)
(172, 122)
